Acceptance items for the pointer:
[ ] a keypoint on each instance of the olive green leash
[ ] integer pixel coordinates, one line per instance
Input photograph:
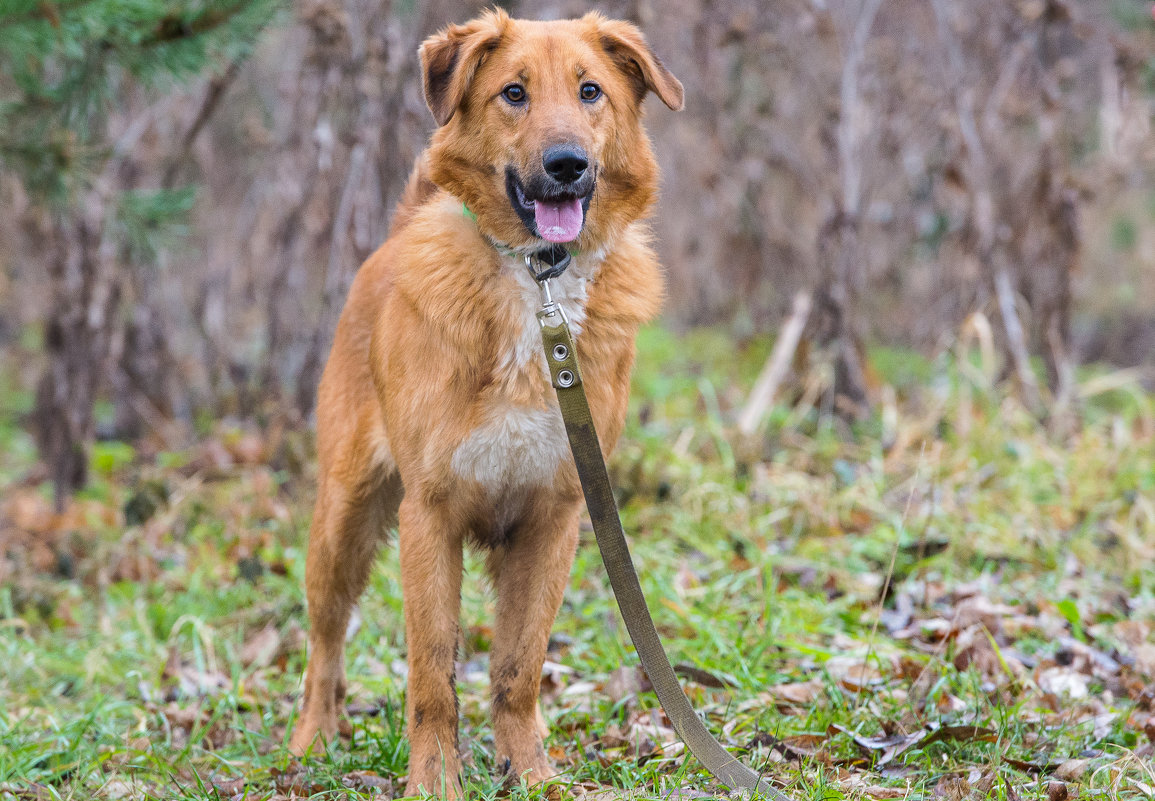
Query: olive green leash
(583, 439)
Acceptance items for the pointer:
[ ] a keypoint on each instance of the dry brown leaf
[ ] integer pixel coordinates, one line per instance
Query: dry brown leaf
(859, 678)
(295, 781)
(802, 693)
(1039, 766)
(1063, 682)
(1072, 770)
(626, 681)
(227, 788)
(368, 781)
(953, 788)
(261, 649)
(797, 746)
(889, 746)
(116, 789)
(704, 677)
(964, 733)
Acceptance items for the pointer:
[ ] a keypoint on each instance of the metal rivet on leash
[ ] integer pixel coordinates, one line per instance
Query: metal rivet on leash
(560, 352)
(565, 378)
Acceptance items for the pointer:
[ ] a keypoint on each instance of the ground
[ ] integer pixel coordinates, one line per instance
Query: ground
(949, 599)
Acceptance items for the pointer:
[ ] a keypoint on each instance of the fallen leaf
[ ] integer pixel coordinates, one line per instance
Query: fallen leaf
(261, 649)
(626, 681)
(890, 745)
(965, 733)
(366, 780)
(802, 693)
(1032, 767)
(1063, 682)
(798, 746)
(295, 781)
(227, 788)
(953, 788)
(704, 677)
(116, 789)
(852, 674)
(1072, 770)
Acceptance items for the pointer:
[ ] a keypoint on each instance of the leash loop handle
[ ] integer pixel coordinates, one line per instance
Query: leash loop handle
(565, 375)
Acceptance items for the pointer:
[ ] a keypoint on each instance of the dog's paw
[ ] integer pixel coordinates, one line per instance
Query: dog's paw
(313, 733)
(429, 775)
(533, 768)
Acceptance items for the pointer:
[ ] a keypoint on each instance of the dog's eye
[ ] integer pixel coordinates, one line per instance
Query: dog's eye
(514, 93)
(590, 92)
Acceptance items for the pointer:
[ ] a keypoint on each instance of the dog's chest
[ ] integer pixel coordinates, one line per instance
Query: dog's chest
(517, 447)
(520, 444)
(570, 291)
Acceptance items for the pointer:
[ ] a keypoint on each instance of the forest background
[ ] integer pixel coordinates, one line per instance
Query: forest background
(890, 461)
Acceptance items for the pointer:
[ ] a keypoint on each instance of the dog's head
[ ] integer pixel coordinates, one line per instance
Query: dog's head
(540, 125)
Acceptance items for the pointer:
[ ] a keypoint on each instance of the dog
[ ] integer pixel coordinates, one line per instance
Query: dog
(435, 411)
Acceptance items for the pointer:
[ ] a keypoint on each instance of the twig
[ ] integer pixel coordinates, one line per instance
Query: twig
(1016, 340)
(216, 90)
(766, 387)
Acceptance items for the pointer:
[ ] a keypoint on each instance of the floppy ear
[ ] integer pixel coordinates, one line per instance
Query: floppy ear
(450, 58)
(627, 48)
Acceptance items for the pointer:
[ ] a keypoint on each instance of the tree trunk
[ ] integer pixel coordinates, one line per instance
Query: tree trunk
(840, 256)
(77, 341)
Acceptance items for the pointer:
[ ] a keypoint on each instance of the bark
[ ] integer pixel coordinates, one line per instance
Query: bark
(838, 327)
(839, 244)
(78, 334)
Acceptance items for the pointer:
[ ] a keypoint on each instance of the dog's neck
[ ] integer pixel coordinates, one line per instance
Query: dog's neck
(570, 284)
(556, 256)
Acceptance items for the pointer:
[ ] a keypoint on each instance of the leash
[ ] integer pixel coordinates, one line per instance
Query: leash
(587, 453)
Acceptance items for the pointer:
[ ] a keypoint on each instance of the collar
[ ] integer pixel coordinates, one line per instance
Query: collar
(549, 262)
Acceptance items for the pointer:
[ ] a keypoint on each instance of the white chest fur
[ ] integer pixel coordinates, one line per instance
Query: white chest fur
(519, 446)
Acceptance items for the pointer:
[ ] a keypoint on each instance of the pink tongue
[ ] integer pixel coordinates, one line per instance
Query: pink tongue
(558, 222)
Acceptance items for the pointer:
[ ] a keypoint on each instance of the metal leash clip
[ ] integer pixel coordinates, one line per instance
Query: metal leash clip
(556, 260)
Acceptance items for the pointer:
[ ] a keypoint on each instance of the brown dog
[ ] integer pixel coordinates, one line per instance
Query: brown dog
(436, 410)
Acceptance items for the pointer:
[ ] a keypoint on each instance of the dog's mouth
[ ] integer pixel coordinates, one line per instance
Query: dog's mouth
(553, 211)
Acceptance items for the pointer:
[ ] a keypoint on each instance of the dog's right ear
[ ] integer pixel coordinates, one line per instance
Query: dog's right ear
(450, 58)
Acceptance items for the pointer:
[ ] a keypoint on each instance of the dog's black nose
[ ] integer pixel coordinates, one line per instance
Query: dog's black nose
(565, 163)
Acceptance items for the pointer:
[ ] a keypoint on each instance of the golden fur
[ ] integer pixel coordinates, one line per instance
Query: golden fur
(435, 411)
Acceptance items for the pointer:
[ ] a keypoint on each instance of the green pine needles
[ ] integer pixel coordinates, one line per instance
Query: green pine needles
(64, 64)
(73, 75)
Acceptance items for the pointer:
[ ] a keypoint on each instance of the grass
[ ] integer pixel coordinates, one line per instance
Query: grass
(151, 637)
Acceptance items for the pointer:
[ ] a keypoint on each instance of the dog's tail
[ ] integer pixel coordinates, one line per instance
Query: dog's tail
(418, 189)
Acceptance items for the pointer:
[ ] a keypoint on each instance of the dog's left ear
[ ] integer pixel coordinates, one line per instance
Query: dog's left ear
(627, 48)
(450, 58)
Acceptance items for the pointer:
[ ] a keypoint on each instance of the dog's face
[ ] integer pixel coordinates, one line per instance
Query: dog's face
(540, 125)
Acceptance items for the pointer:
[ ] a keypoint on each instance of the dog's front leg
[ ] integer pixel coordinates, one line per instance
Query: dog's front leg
(530, 574)
(431, 580)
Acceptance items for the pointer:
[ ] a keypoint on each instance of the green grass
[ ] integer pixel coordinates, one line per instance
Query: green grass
(152, 660)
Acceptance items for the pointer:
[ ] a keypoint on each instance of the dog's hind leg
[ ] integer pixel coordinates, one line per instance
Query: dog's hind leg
(530, 575)
(348, 525)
